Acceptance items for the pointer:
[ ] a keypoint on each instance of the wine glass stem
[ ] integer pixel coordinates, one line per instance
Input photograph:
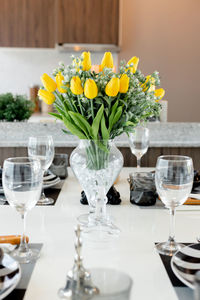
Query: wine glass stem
(23, 244)
(138, 162)
(172, 224)
(43, 194)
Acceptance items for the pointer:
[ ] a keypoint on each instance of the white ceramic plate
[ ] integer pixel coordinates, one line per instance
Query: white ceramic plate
(1, 190)
(10, 275)
(185, 263)
(49, 176)
(50, 183)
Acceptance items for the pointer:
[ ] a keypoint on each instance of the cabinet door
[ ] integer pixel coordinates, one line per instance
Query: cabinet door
(87, 21)
(27, 23)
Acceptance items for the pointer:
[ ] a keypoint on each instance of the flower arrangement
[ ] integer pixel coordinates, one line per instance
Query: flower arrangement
(101, 105)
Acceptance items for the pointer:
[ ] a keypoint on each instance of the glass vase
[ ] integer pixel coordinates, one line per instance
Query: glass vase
(96, 164)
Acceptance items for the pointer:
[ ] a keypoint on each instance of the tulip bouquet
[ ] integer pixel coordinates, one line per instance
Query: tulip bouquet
(101, 105)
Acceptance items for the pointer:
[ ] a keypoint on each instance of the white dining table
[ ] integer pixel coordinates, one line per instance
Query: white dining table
(132, 252)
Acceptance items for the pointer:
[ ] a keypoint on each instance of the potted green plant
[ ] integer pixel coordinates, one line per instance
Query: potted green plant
(15, 108)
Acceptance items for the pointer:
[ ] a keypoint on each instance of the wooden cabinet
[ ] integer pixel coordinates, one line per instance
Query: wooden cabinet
(27, 23)
(87, 21)
(43, 23)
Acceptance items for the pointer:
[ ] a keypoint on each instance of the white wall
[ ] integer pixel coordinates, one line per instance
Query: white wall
(165, 35)
(20, 68)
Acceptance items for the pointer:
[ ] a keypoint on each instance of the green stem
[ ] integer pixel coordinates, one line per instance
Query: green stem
(80, 105)
(92, 108)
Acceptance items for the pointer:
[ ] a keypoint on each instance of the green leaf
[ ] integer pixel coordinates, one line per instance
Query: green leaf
(57, 116)
(114, 108)
(74, 129)
(96, 122)
(60, 110)
(104, 130)
(82, 123)
(67, 132)
(129, 123)
(102, 146)
(117, 116)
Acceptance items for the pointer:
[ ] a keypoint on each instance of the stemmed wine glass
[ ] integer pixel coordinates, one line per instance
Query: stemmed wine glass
(139, 142)
(22, 184)
(174, 179)
(42, 147)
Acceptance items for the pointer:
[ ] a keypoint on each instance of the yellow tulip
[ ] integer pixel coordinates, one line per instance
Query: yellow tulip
(59, 81)
(150, 88)
(75, 85)
(86, 63)
(134, 60)
(107, 61)
(159, 93)
(112, 87)
(46, 96)
(48, 83)
(90, 89)
(124, 83)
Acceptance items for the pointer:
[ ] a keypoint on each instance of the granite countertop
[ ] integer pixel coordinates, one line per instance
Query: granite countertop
(16, 134)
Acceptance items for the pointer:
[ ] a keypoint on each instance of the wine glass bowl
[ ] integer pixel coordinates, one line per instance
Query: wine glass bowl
(22, 184)
(173, 179)
(42, 148)
(139, 142)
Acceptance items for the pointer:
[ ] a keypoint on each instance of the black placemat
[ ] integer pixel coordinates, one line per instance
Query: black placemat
(50, 192)
(183, 292)
(27, 270)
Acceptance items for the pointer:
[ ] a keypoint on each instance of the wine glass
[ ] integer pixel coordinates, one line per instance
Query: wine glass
(42, 147)
(22, 184)
(174, 179)
(139, 142)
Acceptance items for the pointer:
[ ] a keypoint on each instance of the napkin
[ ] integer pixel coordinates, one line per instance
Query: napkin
(11, 239)
(192, 201)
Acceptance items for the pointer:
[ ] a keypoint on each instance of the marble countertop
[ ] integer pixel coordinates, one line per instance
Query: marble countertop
(16, 134)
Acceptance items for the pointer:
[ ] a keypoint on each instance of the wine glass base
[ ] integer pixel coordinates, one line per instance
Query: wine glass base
(45, 201)
(25, 257)
(168, 248)
(100, 231)
(83, 219)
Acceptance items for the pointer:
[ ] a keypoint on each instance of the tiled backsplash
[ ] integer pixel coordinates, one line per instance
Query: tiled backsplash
(20, 68)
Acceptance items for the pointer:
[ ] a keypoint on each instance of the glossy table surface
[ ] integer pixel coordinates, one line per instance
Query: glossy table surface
(133, 252)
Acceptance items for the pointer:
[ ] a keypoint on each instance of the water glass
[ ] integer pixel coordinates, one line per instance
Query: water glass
(174, 179)
(42, 148)
(139, 142)
(22, 184)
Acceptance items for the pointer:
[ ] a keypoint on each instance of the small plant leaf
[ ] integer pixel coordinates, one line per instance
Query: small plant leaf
(96, 122)
(104, 130)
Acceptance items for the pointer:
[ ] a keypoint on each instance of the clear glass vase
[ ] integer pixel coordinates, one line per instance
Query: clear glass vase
(96, 164)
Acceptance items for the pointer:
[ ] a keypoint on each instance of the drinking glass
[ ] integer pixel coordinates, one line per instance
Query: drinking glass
(174, 179)
(139, 142)
(22, 184)
(42, 147)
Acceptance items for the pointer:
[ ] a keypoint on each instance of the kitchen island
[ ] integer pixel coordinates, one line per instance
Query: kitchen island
(165, 138)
